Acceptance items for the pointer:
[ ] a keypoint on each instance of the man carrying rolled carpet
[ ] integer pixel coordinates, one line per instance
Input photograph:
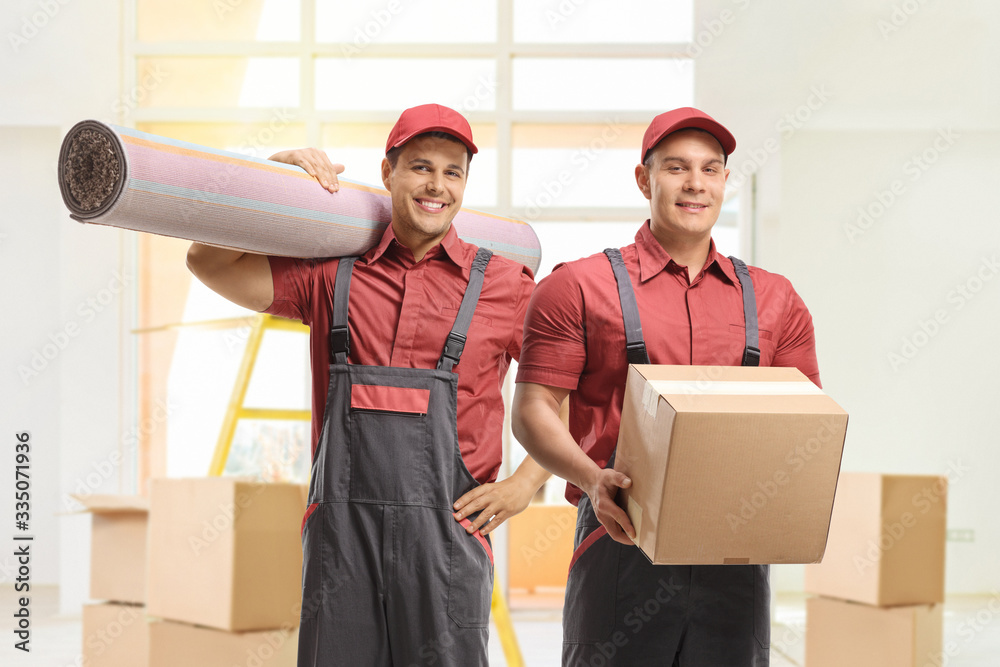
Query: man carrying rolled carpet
(673, 299)
(409, 344)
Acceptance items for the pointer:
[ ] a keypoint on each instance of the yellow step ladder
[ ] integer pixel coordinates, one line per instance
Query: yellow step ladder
(237, 410)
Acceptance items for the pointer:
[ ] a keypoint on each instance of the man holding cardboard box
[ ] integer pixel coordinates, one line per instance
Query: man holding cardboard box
(670, 298)
(417, 334)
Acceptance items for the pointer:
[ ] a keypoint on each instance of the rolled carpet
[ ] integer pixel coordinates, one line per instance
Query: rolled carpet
(111, 175)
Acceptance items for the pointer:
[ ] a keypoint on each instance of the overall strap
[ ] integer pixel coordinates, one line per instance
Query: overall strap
(340, 344)
(635, 346)
(456, 338)
(751, 353)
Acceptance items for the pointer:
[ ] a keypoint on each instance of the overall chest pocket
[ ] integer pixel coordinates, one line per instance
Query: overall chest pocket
(737, 340)
(389, 441)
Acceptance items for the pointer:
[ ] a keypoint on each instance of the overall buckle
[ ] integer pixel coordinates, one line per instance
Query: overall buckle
(751, 356)
(340, 340)
(453, 347)
(635, 352)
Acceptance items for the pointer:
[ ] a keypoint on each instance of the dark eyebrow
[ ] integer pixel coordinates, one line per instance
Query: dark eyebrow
(674, 158)
(425, 161)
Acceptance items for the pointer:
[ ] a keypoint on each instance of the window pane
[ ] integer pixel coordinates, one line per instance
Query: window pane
(280, 377)
(217, 82)
(255, 139)
(203, 371)
(396, 83)
(546, 178)
(625, 84)
(603, 21)
(575, 165)
(363, 22)
(199, 20)
(566, 241)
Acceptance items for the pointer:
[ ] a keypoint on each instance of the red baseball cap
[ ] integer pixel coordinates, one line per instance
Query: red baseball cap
(430, 118)
(682, 119)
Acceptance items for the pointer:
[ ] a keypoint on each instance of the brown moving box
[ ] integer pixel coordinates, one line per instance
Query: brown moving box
(842, 633)
(115, 635)
(182, 645)
(541, 545)
(729, 465)
(117, 547)
(225, 552)
(887, 541)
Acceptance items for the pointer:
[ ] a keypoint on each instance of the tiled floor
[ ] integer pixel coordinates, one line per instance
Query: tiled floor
(972, 627)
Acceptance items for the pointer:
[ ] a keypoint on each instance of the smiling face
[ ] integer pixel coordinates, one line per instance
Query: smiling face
(684, 179)
(427, 184)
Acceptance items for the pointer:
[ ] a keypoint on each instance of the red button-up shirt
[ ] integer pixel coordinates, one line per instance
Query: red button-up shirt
(400, 314)
(574, 337)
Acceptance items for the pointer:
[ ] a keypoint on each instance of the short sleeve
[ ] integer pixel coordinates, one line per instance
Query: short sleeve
(293, 288)
(554, 349)
(523, 291)
(797, 340)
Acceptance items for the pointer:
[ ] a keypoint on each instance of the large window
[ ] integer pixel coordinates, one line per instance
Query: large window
(558, 92)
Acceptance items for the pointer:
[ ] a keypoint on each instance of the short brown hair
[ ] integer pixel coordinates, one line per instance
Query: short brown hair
(393, 155)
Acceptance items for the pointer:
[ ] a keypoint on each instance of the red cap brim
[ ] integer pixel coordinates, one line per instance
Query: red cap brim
(683, 119)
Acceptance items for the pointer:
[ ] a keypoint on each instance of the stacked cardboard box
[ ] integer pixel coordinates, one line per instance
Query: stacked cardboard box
(541, 545)
(225, 568)
(217, 561)
(115, 632)
(881, 583)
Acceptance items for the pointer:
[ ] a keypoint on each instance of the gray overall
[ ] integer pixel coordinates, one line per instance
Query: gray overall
(389, 578)
(623, 611)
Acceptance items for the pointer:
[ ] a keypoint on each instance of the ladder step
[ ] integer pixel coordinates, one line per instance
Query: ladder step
(270, 413)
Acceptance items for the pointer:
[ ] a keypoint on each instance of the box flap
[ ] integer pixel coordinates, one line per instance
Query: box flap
(698, 374)
(112, 503)
(734, 389)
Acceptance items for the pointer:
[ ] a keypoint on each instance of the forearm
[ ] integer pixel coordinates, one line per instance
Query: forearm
(544, 436)
(538, 427)
(530, 475)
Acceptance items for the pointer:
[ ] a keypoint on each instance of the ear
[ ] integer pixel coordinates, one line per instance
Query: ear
(386, 173)
(642, 180)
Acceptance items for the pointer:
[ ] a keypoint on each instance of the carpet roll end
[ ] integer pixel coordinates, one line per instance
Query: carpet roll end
(91, 169)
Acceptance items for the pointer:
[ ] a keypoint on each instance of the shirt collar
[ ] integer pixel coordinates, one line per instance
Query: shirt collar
(373, 255)
(653, 258)
(458, 251)
(451, 247)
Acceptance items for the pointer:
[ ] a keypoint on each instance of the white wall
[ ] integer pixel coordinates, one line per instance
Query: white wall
(831, 103)
(30, 402)
(60, 64)
(904, 350)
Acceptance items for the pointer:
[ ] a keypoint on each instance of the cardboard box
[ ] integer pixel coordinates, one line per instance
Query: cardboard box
(226, 553)
(887, 541)
(842, 633)
(182, 645)
(729, 465)
(117, 547)
(541, 545)
(115, 635)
